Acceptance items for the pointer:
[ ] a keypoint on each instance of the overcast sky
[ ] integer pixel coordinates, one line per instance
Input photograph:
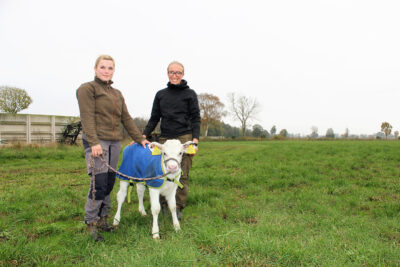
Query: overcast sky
(331, 64)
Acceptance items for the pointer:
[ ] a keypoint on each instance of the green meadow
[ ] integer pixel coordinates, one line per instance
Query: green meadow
(270, 203)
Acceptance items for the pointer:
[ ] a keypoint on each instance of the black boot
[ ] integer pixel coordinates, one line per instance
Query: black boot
(164, 210)
(179, 213)
(94, 234)
(103, 226)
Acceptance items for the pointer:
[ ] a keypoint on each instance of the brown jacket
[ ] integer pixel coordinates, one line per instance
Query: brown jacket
(102, 110)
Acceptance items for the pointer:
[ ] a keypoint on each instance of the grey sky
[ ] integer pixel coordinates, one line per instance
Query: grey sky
(324, 63)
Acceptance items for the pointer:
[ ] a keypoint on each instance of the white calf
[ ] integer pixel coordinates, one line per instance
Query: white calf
(171, 151)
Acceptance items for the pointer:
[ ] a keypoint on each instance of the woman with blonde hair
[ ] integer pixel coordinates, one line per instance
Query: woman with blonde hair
(102, 111)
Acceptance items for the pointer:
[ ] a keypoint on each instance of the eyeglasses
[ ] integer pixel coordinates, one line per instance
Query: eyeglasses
(177, 73)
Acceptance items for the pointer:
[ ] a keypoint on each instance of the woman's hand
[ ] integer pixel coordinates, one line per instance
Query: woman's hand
(134, 141)
(97, 150)
(144, 142)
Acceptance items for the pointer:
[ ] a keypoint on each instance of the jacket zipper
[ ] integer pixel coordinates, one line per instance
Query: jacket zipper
(113, 113)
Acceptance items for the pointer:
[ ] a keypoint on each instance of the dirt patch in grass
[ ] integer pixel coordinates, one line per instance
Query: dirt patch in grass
(252, 220)
(32, 237)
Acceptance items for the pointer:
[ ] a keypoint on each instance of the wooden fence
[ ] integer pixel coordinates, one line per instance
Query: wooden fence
(31, 128)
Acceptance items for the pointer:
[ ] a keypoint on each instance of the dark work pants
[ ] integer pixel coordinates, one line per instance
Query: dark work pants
(181, 193)
(104, 179)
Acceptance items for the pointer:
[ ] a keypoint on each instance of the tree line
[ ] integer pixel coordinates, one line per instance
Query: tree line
(241, 108)
(244, 109)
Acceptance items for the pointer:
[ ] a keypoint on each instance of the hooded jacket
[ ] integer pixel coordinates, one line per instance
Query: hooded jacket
(178, 108)
(102, 110)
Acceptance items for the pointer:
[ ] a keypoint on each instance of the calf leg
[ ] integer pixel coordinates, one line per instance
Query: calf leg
(155, 210)
(172, 207)
(140, 189)
(123, 189)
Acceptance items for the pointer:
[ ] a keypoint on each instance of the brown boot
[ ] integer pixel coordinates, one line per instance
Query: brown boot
(103, 226)
(94, 234)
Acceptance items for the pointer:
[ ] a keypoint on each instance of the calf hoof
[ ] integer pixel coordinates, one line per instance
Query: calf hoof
(156, 236)
(143, 213)
(115, 222)
(177, 227)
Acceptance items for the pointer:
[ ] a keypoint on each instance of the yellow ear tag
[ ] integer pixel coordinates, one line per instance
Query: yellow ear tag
(190, 150)
(156, 151)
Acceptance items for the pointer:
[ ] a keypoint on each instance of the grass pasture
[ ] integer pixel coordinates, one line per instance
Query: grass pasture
(274, 203)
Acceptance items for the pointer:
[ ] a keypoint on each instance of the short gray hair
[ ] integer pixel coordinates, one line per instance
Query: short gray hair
(176, 62)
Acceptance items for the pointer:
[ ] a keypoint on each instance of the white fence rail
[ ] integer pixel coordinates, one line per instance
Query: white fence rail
(32, 128)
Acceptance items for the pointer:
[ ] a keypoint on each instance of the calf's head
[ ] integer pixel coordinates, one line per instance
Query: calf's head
(172, 152)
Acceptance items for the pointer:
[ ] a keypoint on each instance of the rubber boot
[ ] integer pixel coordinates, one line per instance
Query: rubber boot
(103, 226)
(179, 213)
(94, 234)
(164, 210)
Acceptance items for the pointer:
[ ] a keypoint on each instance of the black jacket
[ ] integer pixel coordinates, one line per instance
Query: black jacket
(178, 108)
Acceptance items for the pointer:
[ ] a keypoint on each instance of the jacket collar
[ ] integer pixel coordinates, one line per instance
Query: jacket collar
(183, 85)
(102, 82)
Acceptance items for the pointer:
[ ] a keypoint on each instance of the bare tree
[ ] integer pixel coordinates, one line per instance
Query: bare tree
(13, 100)
(244, 109)
(386, 128)
(396, 134)
(211, 110)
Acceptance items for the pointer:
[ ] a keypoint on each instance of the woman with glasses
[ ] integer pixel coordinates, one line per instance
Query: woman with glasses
(178, 109)
(102, 111)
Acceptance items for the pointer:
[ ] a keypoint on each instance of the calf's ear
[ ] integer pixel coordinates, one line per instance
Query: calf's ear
(186, 145)
(188, 148)
(160, 146)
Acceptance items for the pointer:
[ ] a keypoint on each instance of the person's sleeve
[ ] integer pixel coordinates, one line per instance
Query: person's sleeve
(86, 102)
(195, 116)
(154, 118)
(129, 124)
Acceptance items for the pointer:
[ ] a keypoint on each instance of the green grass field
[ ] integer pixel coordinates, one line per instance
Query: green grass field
(273, 203)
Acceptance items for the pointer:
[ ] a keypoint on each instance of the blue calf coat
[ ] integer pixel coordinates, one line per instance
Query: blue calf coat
(139, 162)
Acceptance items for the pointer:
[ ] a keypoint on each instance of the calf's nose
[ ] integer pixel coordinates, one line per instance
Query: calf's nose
(172, 168)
